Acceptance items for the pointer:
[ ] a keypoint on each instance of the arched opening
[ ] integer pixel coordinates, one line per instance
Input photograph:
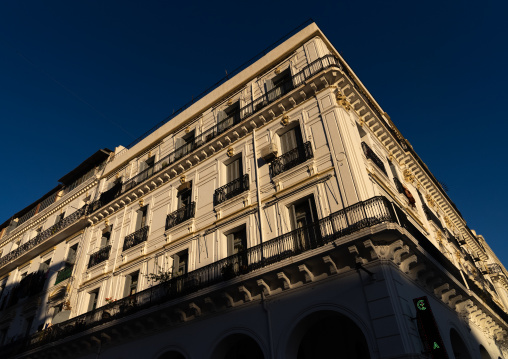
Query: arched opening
(238, 346)
(327, 334)
(484, 354)
(172, 355)
(459, 348)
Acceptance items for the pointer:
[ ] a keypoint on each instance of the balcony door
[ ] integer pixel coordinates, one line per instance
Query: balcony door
(303, 215)
(291, 139)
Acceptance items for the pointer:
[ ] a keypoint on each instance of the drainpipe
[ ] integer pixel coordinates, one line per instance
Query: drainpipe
(257, 189)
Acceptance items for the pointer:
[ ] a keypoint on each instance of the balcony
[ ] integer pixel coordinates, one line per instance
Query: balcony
(29, 286)
(221, 133)
(181, 215)
(371, 155)
(136, 238)
(349, 220)
(232, 189)
(291, 159)
(42, 237)
(100, 256)
(63, 274)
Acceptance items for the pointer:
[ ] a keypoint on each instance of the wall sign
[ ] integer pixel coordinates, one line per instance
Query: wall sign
(427, 327)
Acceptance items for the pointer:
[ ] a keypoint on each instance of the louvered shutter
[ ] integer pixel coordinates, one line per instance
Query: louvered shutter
(269, 86)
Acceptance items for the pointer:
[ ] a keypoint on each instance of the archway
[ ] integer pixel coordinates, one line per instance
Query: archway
(238, 346)
(460, 350)
(327, 334)
(484, 354)
(171, 355)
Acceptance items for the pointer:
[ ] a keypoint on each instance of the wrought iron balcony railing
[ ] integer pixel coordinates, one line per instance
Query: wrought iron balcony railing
(100, 256)
(181, 215)
(41, 237)
(351, 219)
(63, 274)
(372, 156)
(136, 238)
(232, 189)
(232, 120)
(291, 159)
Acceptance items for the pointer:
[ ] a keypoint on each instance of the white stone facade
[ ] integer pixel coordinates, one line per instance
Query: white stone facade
(291, 218)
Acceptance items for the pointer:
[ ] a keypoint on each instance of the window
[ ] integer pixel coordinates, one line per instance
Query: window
(180, 263)
(71, 256)
(237, 241)
(279, 85)
(184, 194)
(93, 297)
(291, 139)
(228, 117)
(184, 145)
(149, 166)
(106, 236)
(302, 214)
(131, 284)
(28, 325)
(141, 218)
(234, 169)
(59, 217)
(44, 266)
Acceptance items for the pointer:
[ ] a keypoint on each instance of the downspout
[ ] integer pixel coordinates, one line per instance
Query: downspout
(257, 189)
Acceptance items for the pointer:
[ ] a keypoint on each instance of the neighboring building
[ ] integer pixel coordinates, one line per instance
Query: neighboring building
(291, 218)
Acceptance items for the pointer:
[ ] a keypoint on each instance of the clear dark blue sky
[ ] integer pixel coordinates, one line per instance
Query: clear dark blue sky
(76, 76)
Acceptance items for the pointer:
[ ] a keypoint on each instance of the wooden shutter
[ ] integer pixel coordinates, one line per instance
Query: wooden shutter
(288, 141)
(93, 299)
(127, 288)
(269, 86)
(176, 264)
(234, 170)
(231, 242)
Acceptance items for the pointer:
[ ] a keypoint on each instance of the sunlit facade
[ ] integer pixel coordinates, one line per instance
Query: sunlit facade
(280, 215)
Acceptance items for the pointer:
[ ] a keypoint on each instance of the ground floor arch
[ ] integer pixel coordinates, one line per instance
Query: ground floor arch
(172, 354)
(459, 347)
(327, 334)
(238, 346)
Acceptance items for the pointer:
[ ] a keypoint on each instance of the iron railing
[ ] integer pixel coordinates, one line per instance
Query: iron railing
(181, 215)
(100, 256)
(232, 120)
(63, 274)
(291, 159)
(136, 238)
(354, 218)
(67, 221)
(372, 156)
(232, 189)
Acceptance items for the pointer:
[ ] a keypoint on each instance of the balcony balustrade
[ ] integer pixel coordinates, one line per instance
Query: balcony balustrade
(220, 128)
(63, 274)
(41, 237)
(136, 238)
(349, 220)
(232, 189)
(181, 215)
(372, 156)
(291, 159)
(100, 256)
(431, 216)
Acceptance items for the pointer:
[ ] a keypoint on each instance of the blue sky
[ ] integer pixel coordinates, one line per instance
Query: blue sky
(76, 76)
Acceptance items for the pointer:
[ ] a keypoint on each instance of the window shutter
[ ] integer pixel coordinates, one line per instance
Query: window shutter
(139, 218)
(176, 264)
(93, 298)
(269, 86)
(127, 288)
(231, 242)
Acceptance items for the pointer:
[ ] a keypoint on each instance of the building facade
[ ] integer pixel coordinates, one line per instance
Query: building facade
(282, 215)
